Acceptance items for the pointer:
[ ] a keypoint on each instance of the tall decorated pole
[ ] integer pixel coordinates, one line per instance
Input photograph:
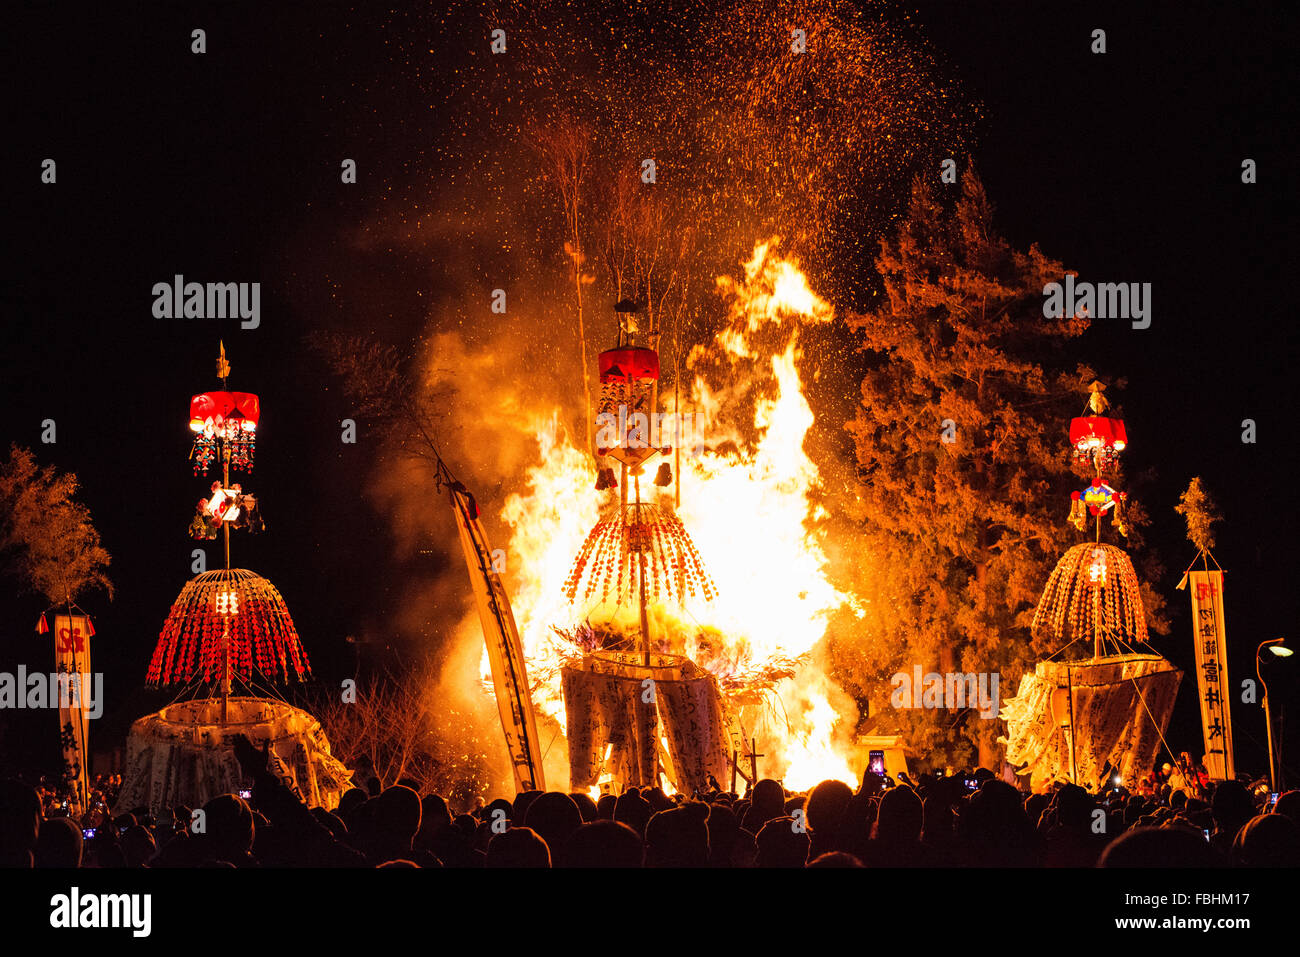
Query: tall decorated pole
(72, 633)
(1209, 632)
(636, 555)
(1077, 719)
(1093, 593)
(60, 556)
(228, 641)
(635, 541)
(225, 427)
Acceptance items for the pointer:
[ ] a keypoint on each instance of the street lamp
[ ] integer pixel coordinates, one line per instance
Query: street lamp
(1276, 647)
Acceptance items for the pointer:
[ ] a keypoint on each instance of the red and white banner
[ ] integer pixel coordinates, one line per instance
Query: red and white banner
(72, 659)
(1210, 638)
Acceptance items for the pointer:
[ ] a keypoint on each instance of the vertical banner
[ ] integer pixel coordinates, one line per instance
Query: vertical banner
(72, 665)
(1209, 636)
(505, 652)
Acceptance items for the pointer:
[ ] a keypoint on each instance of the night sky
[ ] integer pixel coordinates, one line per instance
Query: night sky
(225, 167)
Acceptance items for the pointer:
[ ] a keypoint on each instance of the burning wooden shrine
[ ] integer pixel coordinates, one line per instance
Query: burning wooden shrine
(634, 713)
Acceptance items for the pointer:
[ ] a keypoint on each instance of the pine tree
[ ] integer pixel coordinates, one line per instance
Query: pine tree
(964, 471)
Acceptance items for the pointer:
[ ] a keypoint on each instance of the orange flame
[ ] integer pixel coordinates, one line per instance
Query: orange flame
(749, 512)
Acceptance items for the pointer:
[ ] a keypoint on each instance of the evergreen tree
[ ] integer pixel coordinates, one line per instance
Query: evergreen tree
(963, 464)
(46, 535)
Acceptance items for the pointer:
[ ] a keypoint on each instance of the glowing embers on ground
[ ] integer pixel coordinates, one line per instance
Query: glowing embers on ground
(1093, 593)
(629, 539)
(237, 609)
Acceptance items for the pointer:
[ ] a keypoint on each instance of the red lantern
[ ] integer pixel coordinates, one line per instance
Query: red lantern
(627, 378)
(229, 417)
(628, 362)
(213, 410)
(1098, 439)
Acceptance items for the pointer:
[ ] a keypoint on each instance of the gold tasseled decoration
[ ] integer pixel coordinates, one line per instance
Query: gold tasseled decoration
(1092, 593)
(629, 538)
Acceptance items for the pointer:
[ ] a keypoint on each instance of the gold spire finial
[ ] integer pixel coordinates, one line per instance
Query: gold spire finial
(1097, 400)
(223, 367)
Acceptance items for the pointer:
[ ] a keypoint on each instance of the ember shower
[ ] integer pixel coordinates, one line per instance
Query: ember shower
(773, 174)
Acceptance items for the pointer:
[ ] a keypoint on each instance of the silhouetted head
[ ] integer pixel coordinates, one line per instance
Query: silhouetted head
(331, 822)
(435, 815)
(1232, 805)
(724, 830)
(1268, 840)
(1289, 804)
(20, 821)
(939, 819)
(138, 846)
(489, 810)
(396, 816)
(351, 800)
(604, 844)
(678, 837)
(58, 844)
(901, 815)
(605, 807)
(518, 847)
(1133, 812)
(767, 799)
(522, 800)
(1074, 807)
(1035, 805)
(781, 844)
(994, 821)
(835, 859)
(658, 800)
(554, 816)
(228, 824)
(586, 806)
(633, 810)
(1159, 847)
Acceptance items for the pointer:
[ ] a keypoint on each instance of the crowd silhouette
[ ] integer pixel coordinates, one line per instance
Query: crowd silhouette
(963, 820)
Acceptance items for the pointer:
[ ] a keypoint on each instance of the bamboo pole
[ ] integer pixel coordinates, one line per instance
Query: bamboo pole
(225, 633)
(1069, 685)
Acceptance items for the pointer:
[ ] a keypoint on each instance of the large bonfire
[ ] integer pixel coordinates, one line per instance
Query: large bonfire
(747, 504)
(612, 163)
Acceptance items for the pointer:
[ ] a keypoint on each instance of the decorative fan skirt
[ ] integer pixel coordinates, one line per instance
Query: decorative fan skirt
(184, 755)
